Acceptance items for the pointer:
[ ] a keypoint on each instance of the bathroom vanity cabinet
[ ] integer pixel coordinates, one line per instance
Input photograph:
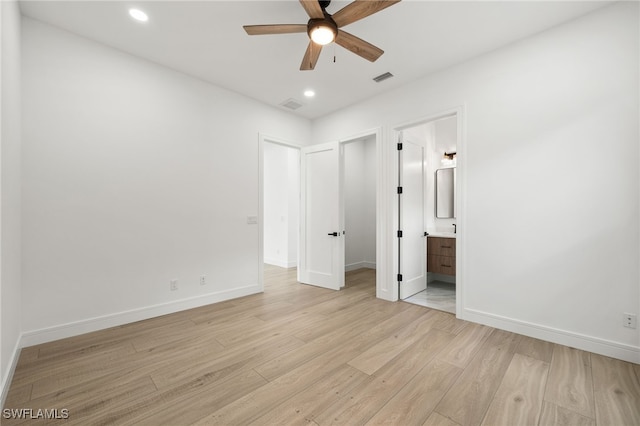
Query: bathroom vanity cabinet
(441, 255)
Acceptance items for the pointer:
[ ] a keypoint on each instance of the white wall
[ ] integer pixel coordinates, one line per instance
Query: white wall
(293, 185)
(444, 140)
(281, 204)
(550, 234)
(133, 175)
(369, 217)
(360, 204)
(10, 140)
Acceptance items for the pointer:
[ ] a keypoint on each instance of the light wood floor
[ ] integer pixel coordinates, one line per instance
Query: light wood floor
(303, 355)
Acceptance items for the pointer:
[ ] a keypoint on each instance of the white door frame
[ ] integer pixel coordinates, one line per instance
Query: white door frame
(392, 202)
(383, 264)
(382, 257)
(262, 139)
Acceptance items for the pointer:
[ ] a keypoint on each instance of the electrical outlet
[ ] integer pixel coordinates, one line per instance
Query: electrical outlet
(173, 285)
(203, 279)
(630, 320)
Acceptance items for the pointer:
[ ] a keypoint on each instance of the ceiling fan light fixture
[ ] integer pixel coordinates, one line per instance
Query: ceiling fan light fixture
(138, 15)
(323, 32)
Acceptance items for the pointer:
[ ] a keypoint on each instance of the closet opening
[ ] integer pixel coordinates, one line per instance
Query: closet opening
(359, 185)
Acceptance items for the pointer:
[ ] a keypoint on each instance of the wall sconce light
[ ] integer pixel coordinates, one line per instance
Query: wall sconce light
(449, 155)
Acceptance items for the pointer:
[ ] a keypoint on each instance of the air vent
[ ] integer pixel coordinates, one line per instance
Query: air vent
(382, 77)
(292, 104)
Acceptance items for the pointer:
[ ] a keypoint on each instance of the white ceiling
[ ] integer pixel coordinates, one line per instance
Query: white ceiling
(205, 39)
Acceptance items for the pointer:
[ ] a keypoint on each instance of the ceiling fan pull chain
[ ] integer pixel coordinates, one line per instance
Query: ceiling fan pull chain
(334, 53)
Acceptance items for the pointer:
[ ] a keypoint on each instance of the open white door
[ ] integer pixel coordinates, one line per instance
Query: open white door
(412, 244)
(321, 232)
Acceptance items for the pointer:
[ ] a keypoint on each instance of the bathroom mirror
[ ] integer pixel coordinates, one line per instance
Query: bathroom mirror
(445, 193)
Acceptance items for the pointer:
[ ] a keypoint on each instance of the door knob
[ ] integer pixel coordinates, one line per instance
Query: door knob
(334, 234)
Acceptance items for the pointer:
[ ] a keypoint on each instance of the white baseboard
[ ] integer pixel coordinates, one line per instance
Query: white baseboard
(8, 377)
(76, 328)
(359, 265)
(575, 340)
(281, 263)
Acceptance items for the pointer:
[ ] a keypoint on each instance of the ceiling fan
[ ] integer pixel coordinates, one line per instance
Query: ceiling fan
(324, 28)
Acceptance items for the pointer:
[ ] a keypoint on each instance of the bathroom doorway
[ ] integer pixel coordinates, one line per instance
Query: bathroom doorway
(427, 210)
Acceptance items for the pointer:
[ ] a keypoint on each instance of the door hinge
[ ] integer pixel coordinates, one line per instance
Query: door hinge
(399, 190)
(399, 234)
(399, 277)
(399, 146)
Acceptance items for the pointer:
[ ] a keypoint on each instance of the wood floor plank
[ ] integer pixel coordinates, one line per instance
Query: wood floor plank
(60, 388)
(349, 333)
(462, 349)
(378, 355)
(76, 371)
(519, 398)
(135, 410)
(19, 395)
(570, 383)
(150, 341)
(255, 404)
(365, 400)
(29, 353)
(451, 324)
(554, 415)
(290, 325)
(111, 335)
(306, 405)
(245, 356)
(291, 366)
(245, 306)
(336, 321)
(436, 419)
(616, 391)
(413, 404)
(535, 348)
(468, 399)
(188, 407)
(60, 364)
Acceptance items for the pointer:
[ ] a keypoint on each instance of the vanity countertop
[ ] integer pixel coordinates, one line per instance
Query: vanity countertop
(442, 234)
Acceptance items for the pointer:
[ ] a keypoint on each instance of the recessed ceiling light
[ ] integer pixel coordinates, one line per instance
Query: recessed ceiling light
(309, 93)
(138, 15)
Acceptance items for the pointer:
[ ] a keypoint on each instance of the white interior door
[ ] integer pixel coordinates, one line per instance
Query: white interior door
(321, 228)
(412, 244)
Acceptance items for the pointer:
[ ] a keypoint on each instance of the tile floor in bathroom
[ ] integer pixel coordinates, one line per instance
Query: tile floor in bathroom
(438, 295)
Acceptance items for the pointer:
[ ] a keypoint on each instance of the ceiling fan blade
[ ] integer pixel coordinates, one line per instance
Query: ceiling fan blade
(313, 8)
(358, 46)
(310, 57)
(275, 29)
(360, 9)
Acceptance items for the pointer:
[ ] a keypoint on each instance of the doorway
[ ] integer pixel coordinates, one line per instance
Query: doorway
(279, 205)
(427, 157)
(338, 211)
(321, 232)
(360, 209)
